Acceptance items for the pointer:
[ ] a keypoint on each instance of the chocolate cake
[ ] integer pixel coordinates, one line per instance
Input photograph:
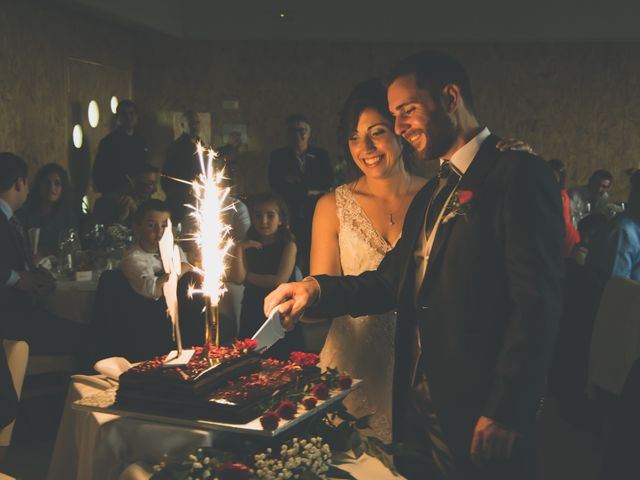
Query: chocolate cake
(233, 390)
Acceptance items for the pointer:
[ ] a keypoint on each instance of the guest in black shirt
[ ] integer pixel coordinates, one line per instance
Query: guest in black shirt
(181, 163)
(300, 173)
(120, 152)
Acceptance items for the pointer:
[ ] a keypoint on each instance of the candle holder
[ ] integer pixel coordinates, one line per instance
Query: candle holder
(212, 324)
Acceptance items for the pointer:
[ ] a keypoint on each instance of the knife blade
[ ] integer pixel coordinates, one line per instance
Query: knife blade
(270, 332)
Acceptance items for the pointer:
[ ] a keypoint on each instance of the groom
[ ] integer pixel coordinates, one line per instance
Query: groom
(476, 278)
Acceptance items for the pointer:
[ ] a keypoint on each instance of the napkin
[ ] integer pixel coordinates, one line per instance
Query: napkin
(112, 367)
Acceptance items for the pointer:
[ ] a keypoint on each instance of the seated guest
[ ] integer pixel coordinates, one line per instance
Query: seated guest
(588, 228)
(23, 286)
(141, 264)
(120, 207)
(48, 207)
(571, 235)
(591, 198)
(616, 251)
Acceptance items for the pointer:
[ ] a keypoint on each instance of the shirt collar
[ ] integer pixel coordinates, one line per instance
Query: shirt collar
(6, 209)
(465, 155)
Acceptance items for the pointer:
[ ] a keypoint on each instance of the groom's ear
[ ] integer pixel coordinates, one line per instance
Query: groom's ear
(451, 97)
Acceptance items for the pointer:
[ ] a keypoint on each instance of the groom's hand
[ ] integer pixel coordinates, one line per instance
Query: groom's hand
(291, 300)
(491, 441)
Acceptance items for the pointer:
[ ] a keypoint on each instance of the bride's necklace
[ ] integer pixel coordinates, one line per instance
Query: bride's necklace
(389, 214)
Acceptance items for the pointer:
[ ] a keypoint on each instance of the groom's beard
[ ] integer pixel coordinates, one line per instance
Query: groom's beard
(440, 133)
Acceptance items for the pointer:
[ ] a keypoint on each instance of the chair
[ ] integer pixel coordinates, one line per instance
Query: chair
(623, 443)
(126, 324)
(615, 343)
(17, 354)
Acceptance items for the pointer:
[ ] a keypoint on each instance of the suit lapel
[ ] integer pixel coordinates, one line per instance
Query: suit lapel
(472, 180)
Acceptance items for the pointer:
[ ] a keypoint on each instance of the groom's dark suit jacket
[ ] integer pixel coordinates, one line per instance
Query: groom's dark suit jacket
(488, 308)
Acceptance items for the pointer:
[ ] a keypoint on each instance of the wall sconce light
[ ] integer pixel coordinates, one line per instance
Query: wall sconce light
(94, 113)
(77, 135)
(114, 104)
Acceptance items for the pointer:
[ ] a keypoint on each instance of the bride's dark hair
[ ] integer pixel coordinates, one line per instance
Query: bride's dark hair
(368, 94)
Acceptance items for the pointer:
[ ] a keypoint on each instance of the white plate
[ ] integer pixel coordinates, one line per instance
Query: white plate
(103, 402)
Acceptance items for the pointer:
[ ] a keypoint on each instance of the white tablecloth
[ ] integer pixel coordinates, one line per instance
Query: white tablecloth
(101, 446)
(73, 300)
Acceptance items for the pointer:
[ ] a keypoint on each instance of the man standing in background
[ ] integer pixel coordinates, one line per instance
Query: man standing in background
(182, 163)
(300, 173)
(119, 153)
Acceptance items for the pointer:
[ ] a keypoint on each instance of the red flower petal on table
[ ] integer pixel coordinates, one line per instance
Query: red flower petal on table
(465, 196)
(309, 402)
(269, 421)
(320, 391)
(287, 409)
(344, 381)
(304, 359)
(233, 471)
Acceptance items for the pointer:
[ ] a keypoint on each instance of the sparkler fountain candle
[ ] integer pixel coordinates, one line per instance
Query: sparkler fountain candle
(212, 237)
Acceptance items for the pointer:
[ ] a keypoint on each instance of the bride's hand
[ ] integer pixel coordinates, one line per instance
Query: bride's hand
(291, 300)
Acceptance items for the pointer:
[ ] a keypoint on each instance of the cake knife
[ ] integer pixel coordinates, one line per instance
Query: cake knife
(270, 332)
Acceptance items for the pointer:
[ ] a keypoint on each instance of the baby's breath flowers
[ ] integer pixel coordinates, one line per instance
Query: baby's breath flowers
(295, 457)
(291, 460)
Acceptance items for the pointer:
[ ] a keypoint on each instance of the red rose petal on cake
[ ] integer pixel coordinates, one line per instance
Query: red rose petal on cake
(269, 421)
(304, 359)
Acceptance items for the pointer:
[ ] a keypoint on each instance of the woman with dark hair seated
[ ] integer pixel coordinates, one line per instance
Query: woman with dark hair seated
(49, 207)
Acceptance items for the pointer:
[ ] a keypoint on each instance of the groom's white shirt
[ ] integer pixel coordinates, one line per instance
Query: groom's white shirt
(463, 157)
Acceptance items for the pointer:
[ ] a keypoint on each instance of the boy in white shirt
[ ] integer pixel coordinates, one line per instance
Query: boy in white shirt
(141, 263)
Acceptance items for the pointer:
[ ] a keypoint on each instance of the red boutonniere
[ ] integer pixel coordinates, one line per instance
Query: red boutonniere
(460, 204)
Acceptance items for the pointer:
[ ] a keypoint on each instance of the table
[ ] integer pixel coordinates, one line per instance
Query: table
(73, 300)
(99, 446)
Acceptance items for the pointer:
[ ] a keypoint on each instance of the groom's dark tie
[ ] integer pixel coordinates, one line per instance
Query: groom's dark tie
(448, 178)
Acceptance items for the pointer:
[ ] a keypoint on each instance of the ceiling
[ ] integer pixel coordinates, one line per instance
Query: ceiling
(390, 20)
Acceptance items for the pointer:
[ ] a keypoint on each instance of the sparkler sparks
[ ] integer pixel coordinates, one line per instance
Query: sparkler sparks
(211, 234)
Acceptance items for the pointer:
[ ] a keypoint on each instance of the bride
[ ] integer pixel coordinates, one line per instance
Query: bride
(353, 228)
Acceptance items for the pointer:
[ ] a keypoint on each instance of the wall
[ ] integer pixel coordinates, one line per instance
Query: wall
(52, 61)
(576, 102)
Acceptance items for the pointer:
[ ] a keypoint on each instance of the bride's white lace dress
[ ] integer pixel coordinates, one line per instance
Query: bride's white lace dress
(363, 346)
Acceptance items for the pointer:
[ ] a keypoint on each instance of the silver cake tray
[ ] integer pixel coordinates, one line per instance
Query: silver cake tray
(104, 402)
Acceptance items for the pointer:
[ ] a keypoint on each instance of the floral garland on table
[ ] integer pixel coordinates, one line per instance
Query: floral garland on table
(308, 396)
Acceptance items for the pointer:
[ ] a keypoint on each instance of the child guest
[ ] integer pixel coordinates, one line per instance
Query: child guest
(141, 264)
(264, 260)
